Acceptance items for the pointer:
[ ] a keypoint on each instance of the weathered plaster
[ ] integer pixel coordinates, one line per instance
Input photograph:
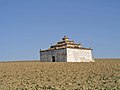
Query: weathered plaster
(79, 55)
(60, 55)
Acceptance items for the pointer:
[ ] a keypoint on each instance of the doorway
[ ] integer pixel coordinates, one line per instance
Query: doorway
(53, 58)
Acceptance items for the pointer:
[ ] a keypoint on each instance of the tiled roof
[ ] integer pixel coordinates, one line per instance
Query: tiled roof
(66, 43)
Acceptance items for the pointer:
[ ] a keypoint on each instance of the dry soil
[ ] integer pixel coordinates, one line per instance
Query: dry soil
(100, 75)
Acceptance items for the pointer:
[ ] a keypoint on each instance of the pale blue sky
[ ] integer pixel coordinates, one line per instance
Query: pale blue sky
(29, 25)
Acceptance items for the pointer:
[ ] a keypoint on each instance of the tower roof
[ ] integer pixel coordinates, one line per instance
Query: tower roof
(66, 43)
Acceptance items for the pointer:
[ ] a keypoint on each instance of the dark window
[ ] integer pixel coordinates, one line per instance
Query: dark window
(53, 58)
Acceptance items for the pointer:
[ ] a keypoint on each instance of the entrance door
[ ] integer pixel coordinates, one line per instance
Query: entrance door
(53, 58)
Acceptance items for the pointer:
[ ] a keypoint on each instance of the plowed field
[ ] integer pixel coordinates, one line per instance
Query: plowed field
(100, 75)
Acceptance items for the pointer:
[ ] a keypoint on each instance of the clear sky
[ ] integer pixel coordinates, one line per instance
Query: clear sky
(29, 25)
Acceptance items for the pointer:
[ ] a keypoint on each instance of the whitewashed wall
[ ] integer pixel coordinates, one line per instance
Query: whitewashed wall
(60, 55)
(79, 55)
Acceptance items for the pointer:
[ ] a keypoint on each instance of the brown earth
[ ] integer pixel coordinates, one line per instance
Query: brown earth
(101, 75)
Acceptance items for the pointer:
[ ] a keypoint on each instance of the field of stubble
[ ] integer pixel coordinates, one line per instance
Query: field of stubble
(101, 75)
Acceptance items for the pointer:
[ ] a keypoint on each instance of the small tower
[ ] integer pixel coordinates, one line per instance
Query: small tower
(66, 51)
